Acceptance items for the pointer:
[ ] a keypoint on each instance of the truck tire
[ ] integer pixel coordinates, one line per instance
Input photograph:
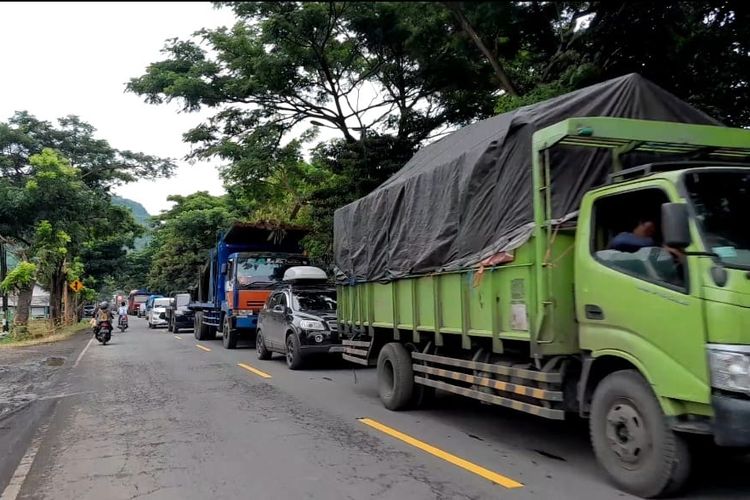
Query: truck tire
(631, 438)
(197, 324)
(201, 330)
(395, 377)
(229, 335)
(260, 347)
(294, 359)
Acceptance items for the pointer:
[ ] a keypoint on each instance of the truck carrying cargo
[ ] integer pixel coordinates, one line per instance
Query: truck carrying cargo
(242, 269)
(544, 260)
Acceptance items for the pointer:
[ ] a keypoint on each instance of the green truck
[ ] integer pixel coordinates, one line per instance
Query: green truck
(651, 343)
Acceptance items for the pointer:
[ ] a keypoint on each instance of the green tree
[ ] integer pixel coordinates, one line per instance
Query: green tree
(21, 281)
(100, 165)
(382, 75)
(389, 77)
(60, 220)
(39, 182)
(182, 237)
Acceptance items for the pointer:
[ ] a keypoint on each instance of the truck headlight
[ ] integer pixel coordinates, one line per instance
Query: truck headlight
(730, 369)
(307, 324)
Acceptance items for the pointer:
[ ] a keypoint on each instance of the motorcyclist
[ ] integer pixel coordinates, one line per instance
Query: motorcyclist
(122, 313)
(102, 313)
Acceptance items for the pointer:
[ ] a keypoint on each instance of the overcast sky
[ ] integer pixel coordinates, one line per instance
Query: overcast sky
(75, 58)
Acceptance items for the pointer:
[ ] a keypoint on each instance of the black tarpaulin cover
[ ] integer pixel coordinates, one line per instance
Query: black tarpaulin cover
(468, 196)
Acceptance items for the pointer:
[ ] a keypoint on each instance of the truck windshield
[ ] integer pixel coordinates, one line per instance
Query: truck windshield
(314, 301)
(253, 272)
(721, 200)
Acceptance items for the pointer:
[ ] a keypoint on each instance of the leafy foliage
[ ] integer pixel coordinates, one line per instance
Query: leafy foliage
(55, 207)
(100, 165)
(385, 78)
(22, 276)
(182, 237)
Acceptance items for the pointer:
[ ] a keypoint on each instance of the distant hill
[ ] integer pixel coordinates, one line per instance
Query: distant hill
(139, 214)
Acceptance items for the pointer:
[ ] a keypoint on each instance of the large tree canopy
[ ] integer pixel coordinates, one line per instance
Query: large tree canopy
(55, 207)
(384, 78)
(182, 237)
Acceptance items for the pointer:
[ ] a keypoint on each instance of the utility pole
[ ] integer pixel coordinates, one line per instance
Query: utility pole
(3, 274)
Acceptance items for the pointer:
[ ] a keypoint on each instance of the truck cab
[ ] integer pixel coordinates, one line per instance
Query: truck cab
(249, 279)
(241, 271)
(690, 335)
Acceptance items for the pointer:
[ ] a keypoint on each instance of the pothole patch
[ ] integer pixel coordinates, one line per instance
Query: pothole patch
(54, 361)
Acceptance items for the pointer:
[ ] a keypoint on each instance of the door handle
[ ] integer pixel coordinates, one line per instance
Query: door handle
(594, 312)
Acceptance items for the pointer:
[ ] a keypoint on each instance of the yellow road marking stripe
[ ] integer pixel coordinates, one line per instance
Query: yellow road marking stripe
(254, 370)
(448, 457)
(178, 337)
(201, 347)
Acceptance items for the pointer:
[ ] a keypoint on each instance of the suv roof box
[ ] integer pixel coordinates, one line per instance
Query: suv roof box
(305, 273)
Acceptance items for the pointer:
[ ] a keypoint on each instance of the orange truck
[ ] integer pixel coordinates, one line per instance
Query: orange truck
(246, 263)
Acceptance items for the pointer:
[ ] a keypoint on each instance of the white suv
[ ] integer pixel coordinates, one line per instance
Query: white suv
(157, 315)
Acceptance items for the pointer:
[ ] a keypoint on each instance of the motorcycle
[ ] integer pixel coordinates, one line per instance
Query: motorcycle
(104, 333)
(122, 323)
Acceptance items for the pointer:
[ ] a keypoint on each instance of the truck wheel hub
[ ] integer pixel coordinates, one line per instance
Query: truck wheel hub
(626, 433)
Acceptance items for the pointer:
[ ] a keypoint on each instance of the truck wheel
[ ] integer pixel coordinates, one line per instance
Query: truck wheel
(260, 347)
(229, 335)
(197, 320)
(201, 330)
(395, 376)
(631, 439)
(293, 355)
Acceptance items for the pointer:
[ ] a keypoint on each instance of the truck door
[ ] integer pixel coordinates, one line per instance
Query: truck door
(636, 302)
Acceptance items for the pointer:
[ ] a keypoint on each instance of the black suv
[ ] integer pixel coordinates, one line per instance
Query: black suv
(178, 315)
(298, 320)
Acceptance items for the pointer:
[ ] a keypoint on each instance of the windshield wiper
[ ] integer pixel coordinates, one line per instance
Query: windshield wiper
(259, 284)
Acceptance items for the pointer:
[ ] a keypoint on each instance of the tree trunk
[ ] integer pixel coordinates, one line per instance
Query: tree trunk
(56, 291)
(500, 73)
(23, 305)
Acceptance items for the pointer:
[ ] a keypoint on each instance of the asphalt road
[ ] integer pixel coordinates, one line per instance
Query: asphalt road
(154, 416)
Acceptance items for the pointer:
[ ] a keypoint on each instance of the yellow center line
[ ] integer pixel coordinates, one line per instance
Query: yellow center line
(448, 457)
(254, 370)
(178, 337)
(201, 347)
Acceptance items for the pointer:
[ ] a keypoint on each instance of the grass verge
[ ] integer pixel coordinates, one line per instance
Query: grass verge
(40, 332)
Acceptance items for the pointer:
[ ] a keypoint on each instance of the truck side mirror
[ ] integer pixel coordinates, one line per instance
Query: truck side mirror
(674, 223)
(224, 268)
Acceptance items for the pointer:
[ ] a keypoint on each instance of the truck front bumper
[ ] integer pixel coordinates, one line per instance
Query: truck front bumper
(731, 423)
(246, 322)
